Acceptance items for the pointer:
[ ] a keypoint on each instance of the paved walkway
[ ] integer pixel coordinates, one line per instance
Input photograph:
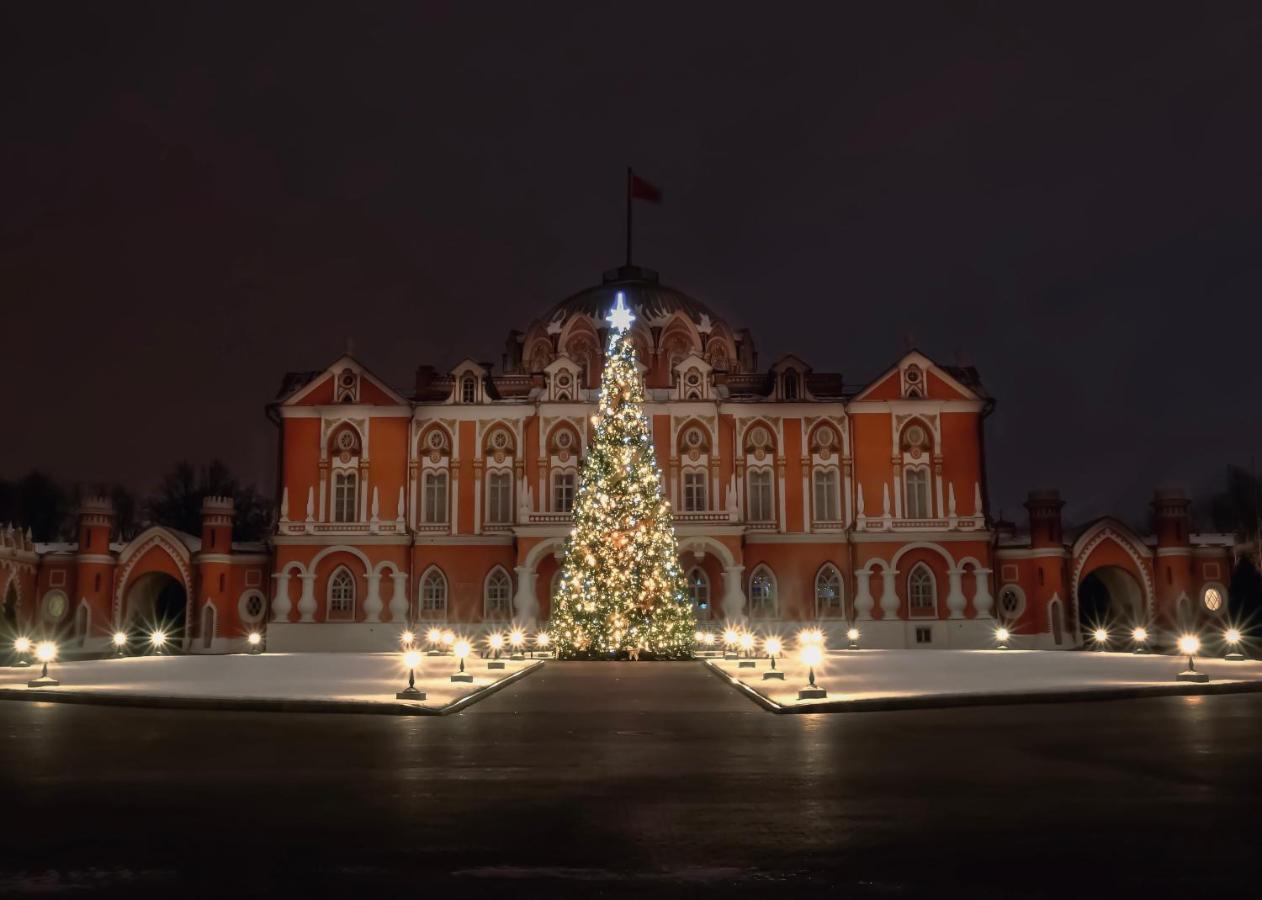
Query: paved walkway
(621, 779)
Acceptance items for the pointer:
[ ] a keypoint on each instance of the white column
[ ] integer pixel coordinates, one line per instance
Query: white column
(372, 603)
(955, 594)
(889, 596)
(310, 508)
(398, 516)
(284, 504)
(863, 595)
(281, 604)
(525, 603)
(983, 602)
(733, 594)
(399, 600)
(307, 602)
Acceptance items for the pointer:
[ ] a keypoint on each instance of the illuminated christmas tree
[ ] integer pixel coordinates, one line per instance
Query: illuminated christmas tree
(621, 587)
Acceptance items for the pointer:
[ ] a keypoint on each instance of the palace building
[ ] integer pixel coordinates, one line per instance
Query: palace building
(798, 496)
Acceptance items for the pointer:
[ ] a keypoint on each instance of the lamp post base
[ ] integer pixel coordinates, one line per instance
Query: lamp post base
(495, 664)
(410, 694)
(773, 675)
(812, 693)
(434, 653)
(1191, 675)
(1235, 656)
(1139, 651)
(747, 664)
(462, 677)
(43, 681)
(730, 656)
(22, 664)
(517, 657)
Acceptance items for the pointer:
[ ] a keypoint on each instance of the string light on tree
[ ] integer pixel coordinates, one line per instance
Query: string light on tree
(621, 588)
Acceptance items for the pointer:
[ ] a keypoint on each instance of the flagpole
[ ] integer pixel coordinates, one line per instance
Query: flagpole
(628, 216)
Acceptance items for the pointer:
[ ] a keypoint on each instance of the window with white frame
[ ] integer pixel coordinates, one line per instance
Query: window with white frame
(499, 498)
(1011, 602)
(699, 589)
(563, 492)
(829, 602)
(827, 498)
(921, 591)
(342, 596)
(762, 594)
(345, 496)
(434, 595)
(434, 502)
(917, 494)
(760, 509)
(498, 595)
(468, 389)
(694, 492)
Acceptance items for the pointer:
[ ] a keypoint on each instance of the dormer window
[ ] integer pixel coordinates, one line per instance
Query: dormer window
(791, 386)
(468, 389)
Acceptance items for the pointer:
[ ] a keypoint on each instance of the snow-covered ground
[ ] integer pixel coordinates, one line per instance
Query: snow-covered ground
(918, 674)
(351, 678)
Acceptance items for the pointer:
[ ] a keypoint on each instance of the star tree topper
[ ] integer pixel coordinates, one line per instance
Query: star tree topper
(620, 317)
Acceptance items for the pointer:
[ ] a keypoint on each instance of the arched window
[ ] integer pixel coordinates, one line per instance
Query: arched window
(791, 385)
(498, 596)
(499, 498)
(342, 596)
(563, 492)
(917, 505)
(699, 589)
(468, 389)
(827, 499)
(760, 509)
(345, 496)
(921, 591)
(208, 626)
(762, 594)
(829, 600)
(434, 595)
(694, 491)
(435, 501)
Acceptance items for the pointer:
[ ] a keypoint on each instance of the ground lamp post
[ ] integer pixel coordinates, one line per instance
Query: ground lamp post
(407, 639)
(158, 641)
(22, 647)
(517, 639)
(1001, 638)
(411, 659)
(119, 640)
(461, 649)
(1101, 638)
(45, 652)
(773, 647)
(747, 647)
(449, 640)
(812, 656)
(255, 642)
(1189, 646)
(707, 640)
(1234, 640)
(496, 643)
(730, 637)
(434, 637)
(852, 636)
(1140, 638)
(542, 640)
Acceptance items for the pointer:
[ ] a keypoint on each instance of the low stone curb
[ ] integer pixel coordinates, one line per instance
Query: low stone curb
(262, 704)
(1008, 698)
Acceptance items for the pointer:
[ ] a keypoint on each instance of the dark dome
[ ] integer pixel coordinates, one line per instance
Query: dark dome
(644, 293)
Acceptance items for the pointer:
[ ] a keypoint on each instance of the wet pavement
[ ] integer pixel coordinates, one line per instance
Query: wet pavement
(617, 779)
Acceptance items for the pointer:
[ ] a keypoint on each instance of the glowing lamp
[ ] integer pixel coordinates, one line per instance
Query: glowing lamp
(158, 640)
(696, 637)
(407, 638)
(255, 640)
(1234, 639)
(434, 637)
(411, 659)
(461, 648)
(1189, 646)
(1101, 638)
(707, 638)
(747, 642)
(1001, 637)
(543, 639)
(812, 655)
(852, 635)
(1139, 637)
(45, 652)
(730, 637)
(517, 638)
(773, 646)
(119, 639)
(496, 643)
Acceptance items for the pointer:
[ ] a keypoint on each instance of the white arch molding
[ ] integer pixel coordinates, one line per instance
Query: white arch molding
(863, 601)
(525, 603)
(733, 601)
(1093, 537)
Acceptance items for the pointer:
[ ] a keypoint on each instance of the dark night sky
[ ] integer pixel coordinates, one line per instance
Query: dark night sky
(192, 203)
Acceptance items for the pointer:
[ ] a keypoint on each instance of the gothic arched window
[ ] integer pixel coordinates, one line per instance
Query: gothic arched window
(829, 601)
(497, 597)
(342, 596)
(434, 595)
(762, 594)
(922, 591)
